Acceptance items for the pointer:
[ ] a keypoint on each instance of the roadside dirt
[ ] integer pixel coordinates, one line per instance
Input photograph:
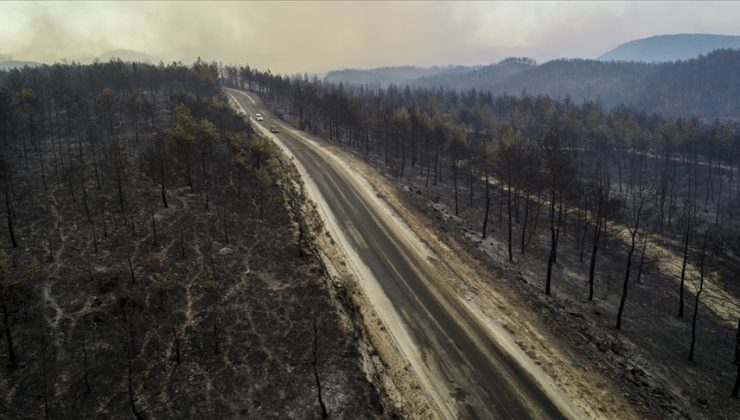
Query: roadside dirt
(481, 285)
(383, 362)
(528, 334)
(637, 372)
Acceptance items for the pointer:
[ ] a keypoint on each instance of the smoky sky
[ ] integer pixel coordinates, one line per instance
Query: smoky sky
(309, 37)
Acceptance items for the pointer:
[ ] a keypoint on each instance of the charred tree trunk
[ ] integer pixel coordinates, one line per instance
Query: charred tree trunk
(45, 388)
(216, 349)
(154, 231)
(454, 182)
(642, 257)
(485, 217)
(551, 257)
(162, 186)
(594, 251)
(12, 361)
(488, 195)
(131, 269)
(9, 216)
(736, 388)
(130, 389)
(737, 344)
(696, 299)
(176, 340)
(182, 244)
(324, 412)
(625, 285)
(683, 268)
(525, 221)
(84, 201)
(119, 182)
(85, 369)
(508, 210)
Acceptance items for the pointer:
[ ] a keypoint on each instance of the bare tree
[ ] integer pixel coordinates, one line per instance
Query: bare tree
(559, 177)
(639, 198)
(700, 289)
(600, 188)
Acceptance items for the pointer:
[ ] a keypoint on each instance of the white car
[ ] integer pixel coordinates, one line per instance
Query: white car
(259, 117)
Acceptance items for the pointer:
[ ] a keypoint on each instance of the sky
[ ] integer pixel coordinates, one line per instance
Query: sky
(314, 37)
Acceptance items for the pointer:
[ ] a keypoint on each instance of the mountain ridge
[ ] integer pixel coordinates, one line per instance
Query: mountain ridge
(670, 47)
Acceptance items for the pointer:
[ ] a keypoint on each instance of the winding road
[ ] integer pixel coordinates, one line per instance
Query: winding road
(468, 373)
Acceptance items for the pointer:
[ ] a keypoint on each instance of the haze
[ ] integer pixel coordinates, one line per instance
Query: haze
(315, 37)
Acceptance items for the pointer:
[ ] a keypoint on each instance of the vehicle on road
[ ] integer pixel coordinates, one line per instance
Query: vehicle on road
(274, 129)
(259, 117)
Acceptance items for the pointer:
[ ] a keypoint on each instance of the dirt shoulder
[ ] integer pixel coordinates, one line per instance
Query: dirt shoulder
(484, 287)
(383, 361)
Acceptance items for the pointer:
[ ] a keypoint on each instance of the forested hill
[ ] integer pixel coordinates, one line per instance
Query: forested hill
(707, 87)
(386, 76)
(486, 77)
(676, 47)
(13, 64)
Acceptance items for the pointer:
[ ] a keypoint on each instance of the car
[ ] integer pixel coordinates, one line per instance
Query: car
(274, 129)
(259, 117)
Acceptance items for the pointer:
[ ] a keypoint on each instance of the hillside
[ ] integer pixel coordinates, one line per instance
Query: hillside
(386, 76)
(705, 87)
(663, 48)
(581, 80)
(487, 77)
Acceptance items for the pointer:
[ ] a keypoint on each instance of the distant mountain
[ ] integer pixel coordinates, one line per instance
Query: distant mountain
(610, 83)
(706, 87)
(486, 77)
(11, 64)
(129, 55)
(386, 76)
(670, 47)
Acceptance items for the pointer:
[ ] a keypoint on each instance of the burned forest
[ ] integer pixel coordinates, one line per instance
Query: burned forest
(621, 228)
(153, 260)
(370, 210)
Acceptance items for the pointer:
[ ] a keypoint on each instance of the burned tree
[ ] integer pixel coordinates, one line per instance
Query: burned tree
(559, 175)
(600, 189)
(639, 198)
(699, 290)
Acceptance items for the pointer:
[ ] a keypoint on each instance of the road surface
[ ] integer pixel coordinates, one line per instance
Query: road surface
(462, 362)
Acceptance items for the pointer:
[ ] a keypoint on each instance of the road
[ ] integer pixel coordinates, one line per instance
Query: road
(463, 363)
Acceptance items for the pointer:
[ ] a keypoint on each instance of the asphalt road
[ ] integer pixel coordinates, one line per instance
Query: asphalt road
(481, 377)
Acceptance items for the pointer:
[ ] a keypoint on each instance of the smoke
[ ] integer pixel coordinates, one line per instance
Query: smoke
(318, 36)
